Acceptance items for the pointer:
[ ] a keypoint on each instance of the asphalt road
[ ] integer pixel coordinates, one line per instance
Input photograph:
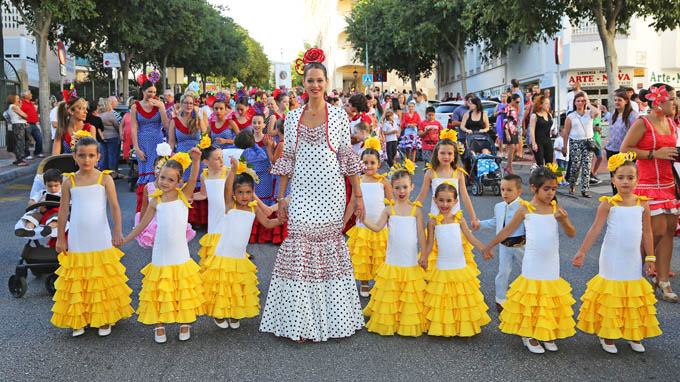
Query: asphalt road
(32, 349)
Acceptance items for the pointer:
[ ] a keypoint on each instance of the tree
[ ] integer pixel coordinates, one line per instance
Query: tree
(395, 40)
(526, 21)
(42, 18)
(256, 70)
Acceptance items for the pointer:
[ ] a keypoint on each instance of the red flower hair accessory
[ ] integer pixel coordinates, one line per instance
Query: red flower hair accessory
(276, 93)
(141, 78)
(70, 94)
(658, 95)
(311, 55)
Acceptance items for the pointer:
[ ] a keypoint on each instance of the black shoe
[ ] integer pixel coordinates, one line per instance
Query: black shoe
(46, 231)
(23, 232)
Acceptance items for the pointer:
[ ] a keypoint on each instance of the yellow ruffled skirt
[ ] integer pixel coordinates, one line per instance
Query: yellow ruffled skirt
(230, 286)
(467, 250)
(619, 309)
(368, 249)
(397, 301)
(208, 244)
(539, 309)
(454, 306)
(91, 290)
(171, 293)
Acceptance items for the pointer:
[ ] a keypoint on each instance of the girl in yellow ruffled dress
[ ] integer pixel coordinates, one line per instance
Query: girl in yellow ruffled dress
(445, 167)
(172, 288)
(229, 277)
(91, 288)
(396, 304)
(367, 247)
(212, 188)
(454, 306)
(619, 302)
(539, 301)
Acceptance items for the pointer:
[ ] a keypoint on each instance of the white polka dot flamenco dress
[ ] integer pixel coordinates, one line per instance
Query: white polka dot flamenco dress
(313, 294)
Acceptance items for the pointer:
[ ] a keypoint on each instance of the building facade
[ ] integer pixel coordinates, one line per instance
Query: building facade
(326, 30)
(21, 51)
(641, 63)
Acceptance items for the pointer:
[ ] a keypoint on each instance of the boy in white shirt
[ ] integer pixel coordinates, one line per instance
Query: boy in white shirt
(561, 159)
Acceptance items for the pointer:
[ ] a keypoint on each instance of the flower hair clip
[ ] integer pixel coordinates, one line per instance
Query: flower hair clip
(311, 55)
(154, 76)
(241, 93)
(245, 167)
(558, 171)
(205, 142)
(372, 143)
(183, 159)
(258, 107)
(76, 137)
(408, 166)
(617, 160)
(163, 151)
(449, 134)
(220, 96)
(658, 95)
(69, 95)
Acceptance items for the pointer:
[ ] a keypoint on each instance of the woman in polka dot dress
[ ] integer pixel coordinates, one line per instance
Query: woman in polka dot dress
(313, 294)
(147, 121)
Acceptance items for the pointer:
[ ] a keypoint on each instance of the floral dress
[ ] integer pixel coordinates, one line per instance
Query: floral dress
(312, 294)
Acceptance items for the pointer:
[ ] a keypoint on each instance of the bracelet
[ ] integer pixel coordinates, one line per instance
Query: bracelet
(650, 258)
(358, 196)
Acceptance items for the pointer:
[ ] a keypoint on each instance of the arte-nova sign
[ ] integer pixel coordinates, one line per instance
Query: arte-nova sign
(671, 78)
(598, 78)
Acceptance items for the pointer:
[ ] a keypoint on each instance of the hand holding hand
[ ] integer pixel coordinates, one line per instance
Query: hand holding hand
(117, 240)
(423, 261)
(578, 259)
(359, 210)
(650, 268)
(283, 209)
(487, 253)
(474, 223)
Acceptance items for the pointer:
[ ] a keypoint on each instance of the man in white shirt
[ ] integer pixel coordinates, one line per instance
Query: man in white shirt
(570, 96)
(421, 105)
(54, 120)
(634, 105)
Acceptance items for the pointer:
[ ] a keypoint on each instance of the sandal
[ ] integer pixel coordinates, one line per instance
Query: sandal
(667, 296)
(572, 190)
(586, 195)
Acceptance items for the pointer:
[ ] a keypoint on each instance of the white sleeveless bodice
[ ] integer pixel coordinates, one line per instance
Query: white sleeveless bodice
(450, 253)
(214, 188)
(170, 244)
(436, 181)
(402, 241)
(236, 228)
(620, 257)
(373, 196)
(89, 229)
(542, 250)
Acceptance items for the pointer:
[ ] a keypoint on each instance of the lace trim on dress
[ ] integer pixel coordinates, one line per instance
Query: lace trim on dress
(349, 161)
(285, 165)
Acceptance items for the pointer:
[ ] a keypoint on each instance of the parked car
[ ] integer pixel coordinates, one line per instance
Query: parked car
(444, 111)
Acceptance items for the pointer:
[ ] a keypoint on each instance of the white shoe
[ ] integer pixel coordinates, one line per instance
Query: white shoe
(78, 332)
(536, 349)
(234, 324)
(637, 347)
(104, 330)
(611, 349)
(187, 335)
(364, 291)
(29, 157)
(160, 339)
(224, 324)
(550, 346)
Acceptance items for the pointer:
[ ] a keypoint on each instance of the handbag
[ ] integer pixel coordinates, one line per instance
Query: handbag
(676, 181)
(514, 241)
(593, 146)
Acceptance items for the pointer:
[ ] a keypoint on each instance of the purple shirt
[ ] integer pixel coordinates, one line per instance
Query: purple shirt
(618, 130)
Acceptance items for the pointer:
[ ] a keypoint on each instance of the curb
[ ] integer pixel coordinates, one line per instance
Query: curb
(17, 172)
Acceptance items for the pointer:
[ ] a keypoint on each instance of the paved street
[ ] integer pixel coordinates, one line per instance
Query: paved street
(32, 349)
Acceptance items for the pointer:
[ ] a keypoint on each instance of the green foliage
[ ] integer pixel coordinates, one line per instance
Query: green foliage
(397, 38)
(256, 68)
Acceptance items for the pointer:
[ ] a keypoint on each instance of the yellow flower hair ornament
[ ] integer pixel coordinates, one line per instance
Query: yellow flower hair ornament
(408, 166)
(461, 148)
(205, 142)
(372, 143)
(244, 167)
(558, 171)
(183, 159)
(77, 135)
(617, 160)
(449, 134)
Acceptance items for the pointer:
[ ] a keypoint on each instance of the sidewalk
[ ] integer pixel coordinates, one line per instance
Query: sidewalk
(9, 171)
(523, 168)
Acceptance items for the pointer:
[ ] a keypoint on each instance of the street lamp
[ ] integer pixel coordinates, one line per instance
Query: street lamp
(356, 76)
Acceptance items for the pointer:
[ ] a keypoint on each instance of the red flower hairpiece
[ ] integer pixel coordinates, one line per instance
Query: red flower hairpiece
(658, 95)
(311, 55)
(70, 94)
(141, 78)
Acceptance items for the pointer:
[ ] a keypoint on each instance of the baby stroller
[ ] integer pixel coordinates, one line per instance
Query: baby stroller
(38, 258)
(482, 171)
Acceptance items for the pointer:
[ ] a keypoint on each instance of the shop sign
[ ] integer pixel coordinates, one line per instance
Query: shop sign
(670, 77)
(598, 78)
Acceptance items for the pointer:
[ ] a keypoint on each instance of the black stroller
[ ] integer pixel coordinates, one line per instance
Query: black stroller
(490, 178)
(36, 257)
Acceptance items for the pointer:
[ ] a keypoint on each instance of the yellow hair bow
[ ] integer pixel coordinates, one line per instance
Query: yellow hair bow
(244, 168)
(528, 205)
(617, 160)
(183, 159)
(372, 143)
(408, 166)
(449, 134)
